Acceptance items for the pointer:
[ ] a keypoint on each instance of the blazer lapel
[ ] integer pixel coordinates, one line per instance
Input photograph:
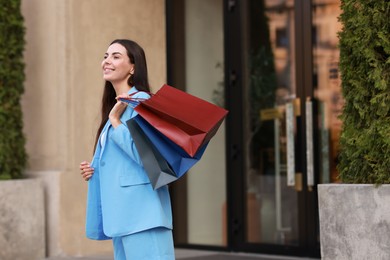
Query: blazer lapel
(104, 137)
(99, 148)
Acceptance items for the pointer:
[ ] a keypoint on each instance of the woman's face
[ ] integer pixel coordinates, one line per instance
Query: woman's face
(116, 64)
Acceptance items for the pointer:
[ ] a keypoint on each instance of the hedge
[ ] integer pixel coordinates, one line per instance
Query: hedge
(12, 141)
(365, 72)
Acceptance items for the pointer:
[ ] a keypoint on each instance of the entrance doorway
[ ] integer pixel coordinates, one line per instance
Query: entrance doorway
(274, 65)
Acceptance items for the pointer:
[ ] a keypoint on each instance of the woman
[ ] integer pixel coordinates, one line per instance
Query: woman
(121, 203)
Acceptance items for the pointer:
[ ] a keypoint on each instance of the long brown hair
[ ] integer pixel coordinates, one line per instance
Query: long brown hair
(139, 79)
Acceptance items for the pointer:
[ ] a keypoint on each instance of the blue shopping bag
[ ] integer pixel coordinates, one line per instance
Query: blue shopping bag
(179, 160)
(156, 167)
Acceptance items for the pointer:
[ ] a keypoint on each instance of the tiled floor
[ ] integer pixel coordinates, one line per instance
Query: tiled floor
(188, 254)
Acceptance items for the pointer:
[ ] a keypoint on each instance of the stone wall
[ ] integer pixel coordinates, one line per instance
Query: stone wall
(22, 220)
(66, 41)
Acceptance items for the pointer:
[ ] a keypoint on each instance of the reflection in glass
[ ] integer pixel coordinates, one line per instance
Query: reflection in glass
(271, 204)
(327, 85)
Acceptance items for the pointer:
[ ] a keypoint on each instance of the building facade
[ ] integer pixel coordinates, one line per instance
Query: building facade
(272, 63)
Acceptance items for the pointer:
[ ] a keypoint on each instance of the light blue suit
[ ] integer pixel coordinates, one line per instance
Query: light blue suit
(121, 200)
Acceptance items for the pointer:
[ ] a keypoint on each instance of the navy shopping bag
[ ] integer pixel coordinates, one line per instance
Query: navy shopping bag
(178, 159)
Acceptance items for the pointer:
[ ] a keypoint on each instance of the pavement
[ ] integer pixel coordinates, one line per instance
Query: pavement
(189, 254)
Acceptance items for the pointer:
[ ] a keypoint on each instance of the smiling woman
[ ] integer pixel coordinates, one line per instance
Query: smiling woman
(116, 65)
(116, 173)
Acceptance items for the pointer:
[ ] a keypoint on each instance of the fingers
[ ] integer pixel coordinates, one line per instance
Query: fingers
(87, 175)
(120, 105)
(83, 164)
(123, 95)
(86, 170)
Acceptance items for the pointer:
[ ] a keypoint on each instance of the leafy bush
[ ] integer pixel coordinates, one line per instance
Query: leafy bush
(12, 141)
(365, 70)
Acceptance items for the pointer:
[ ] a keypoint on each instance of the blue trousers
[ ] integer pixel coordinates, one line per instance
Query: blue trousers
(152, 244)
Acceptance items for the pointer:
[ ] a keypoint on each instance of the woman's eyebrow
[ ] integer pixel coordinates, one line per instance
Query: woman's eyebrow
(114, 53)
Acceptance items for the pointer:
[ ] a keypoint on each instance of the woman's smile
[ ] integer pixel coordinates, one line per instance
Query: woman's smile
(116, 65)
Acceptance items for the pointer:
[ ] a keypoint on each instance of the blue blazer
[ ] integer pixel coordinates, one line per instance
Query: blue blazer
(121, 200)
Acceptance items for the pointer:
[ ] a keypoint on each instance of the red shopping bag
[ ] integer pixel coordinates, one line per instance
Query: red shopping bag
(187, 120)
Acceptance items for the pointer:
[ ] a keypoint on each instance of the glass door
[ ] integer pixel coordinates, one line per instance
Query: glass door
(327, 85)
(284, 91)
(270, 112)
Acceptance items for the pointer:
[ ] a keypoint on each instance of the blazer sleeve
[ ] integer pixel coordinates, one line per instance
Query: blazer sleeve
(121, 134)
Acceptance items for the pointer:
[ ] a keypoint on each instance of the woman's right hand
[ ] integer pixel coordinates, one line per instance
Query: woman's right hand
(117, 111)
(86, 170)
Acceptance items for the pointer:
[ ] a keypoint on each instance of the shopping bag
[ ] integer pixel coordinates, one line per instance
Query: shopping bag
(188, 121)
(179, 161)
(156, 167)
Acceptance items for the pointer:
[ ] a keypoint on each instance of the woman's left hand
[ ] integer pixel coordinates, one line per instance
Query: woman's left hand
(86, 170)
(117, 111)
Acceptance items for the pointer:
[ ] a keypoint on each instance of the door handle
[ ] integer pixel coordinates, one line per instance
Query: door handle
(290, 119)
(309, 143)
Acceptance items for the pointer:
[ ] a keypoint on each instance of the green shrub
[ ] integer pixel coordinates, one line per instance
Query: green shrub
(12, 141)
(365, 70)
